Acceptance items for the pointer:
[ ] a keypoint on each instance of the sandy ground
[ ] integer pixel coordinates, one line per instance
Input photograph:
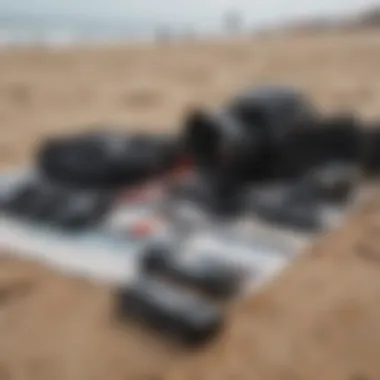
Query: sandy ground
(319, 320)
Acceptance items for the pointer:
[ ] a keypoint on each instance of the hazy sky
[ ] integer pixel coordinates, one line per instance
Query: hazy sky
(201, 11)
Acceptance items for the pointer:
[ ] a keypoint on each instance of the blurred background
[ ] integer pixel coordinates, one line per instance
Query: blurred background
(65, 65)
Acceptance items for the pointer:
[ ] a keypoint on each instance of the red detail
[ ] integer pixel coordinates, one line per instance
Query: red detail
(143, 229)
(154, 188)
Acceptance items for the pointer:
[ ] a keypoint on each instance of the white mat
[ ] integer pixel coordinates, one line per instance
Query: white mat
(101, 256)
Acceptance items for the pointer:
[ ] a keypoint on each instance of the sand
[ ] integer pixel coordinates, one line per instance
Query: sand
(319, 320)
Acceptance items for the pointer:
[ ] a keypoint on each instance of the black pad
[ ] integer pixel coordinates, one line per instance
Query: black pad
(209, 276)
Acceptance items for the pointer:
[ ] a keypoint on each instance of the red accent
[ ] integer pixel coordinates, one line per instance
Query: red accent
(143, 229)
(154, 187)
(182, 169)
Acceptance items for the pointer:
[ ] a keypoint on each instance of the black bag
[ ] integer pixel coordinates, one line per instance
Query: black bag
(104, 160)
(325, 141)
(370, 153)
(241, 138)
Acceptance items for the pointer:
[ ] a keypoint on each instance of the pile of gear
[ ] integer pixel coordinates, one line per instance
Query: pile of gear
(270, 135)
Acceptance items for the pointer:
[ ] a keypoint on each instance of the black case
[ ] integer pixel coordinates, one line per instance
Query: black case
(173, 312)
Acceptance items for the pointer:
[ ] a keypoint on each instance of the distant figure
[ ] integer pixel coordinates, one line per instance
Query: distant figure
(189, 34)
(370, 18)
(233, 22)
(163, 34)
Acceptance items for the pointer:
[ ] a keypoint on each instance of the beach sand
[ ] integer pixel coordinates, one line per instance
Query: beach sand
(319, 320)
